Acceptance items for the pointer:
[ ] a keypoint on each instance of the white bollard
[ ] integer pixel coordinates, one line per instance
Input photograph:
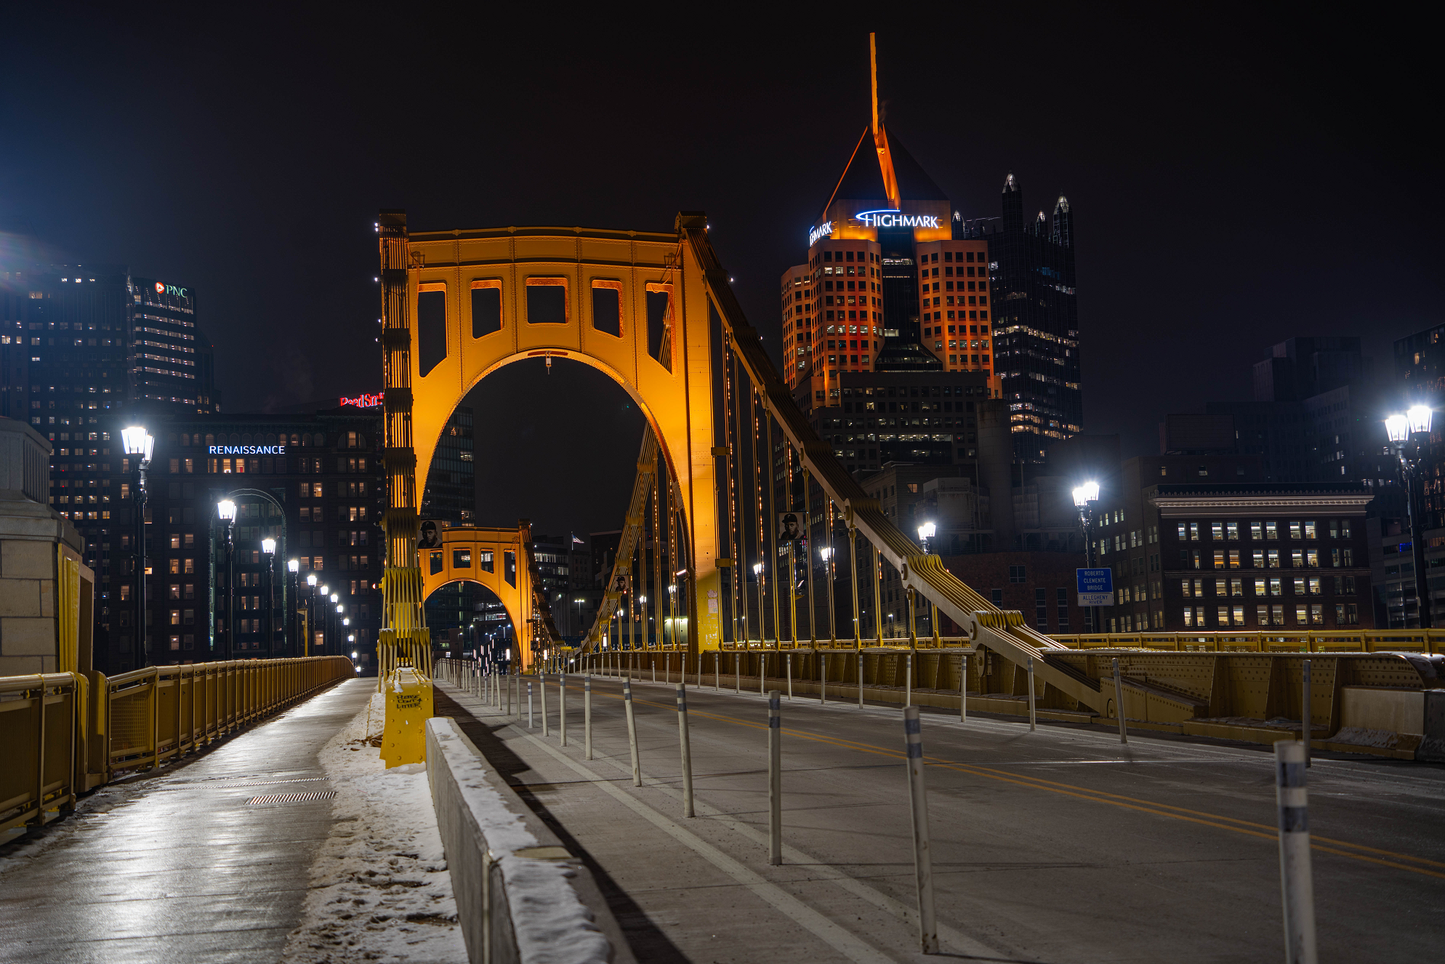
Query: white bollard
(686, 747)
(1295, 876)
(762, 671)
(1033, 718)
(587, 714)
(775, 780)
(922, 857)
(652, 661)
(632, 733)
(717, 672)
(963, 688)
(822, 678)
(1119, 704)
(562, 707)
(790, 676)
(907, 679)
(737, 673)
(542, 685)
(860, 679)
(1306, 721)
(529, 705)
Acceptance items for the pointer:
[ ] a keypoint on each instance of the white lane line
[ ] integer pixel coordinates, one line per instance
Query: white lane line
(958, 941)
(840, 939)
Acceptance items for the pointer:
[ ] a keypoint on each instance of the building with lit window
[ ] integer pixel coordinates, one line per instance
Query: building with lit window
(312, 483)
(1036, 318)
(887, 286)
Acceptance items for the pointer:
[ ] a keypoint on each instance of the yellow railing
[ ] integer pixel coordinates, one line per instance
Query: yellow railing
(62, 734)
(1428, 641)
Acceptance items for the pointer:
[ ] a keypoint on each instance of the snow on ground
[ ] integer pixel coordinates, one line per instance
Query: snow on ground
(380, 890)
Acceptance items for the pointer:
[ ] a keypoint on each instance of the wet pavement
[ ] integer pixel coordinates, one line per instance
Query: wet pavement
(188, 865)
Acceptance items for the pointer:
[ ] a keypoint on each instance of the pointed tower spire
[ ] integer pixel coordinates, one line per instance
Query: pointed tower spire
(880, 136)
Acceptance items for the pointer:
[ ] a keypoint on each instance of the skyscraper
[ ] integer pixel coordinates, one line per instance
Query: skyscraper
(1036, 319)
(85, 349)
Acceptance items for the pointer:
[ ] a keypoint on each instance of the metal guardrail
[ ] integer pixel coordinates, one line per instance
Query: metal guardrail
(1425, 641)
(62, 734)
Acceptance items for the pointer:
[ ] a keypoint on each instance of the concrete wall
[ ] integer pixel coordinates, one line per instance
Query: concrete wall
(31, 534)
(521, 897)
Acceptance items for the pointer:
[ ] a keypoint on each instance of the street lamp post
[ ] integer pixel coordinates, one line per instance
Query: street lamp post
(310, 613)
(293, 569)
(827, 553)
(762, 620)
(926, 532)
(330, 616)
(1086, 499)
(138, 445)
(226, 512)
(1408, 433)
(268, 552)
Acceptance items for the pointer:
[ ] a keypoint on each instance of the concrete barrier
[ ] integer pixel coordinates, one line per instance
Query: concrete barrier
(521, 897)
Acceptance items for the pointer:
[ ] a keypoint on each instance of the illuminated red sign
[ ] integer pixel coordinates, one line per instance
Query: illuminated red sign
(365, 400)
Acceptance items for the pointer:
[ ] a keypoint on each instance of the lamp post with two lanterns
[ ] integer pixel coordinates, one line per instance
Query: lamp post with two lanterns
(293, 571)
(926, 532)
(1407, 434)
(139, 444)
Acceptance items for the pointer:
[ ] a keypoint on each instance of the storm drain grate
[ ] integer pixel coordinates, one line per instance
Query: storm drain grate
(292, 797)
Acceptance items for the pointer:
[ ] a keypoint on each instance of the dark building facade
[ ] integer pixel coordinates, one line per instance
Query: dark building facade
(313, 484)
(1035, 319)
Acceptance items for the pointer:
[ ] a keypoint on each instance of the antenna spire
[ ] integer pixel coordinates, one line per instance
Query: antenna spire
(873, 73)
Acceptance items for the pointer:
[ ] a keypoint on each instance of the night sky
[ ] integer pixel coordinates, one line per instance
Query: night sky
(1234, 180)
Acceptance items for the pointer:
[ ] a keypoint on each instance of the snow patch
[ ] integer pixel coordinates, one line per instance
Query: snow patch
(549, 920)
(379, 888)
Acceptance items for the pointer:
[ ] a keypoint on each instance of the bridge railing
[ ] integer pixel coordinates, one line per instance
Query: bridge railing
(62, 734)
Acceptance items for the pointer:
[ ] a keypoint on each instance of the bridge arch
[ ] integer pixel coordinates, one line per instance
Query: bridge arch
(459, 305)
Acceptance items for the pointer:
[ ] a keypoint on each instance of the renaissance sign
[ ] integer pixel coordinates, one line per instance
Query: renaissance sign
(245, 450)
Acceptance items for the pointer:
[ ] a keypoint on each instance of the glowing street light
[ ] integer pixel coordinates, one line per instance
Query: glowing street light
(1407, 433)
(137, 443)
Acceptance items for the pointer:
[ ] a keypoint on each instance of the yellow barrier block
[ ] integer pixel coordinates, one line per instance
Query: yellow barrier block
(408, 707)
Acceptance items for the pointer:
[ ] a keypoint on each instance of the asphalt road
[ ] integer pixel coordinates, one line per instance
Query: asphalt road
(1059, 845)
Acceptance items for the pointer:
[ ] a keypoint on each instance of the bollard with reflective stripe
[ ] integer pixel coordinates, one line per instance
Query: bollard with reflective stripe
(822, 678)
(762, 672)
(562, 707)
(737, 673)
(908, 679)
(775, 779)
(587, 714)
(922, 857)
(790, 676)
(1033, 716)
(686, 746)
(717, 672)
(542, 685)
(1119, 704)
(632, 733)
(1306, 716)
(860, 679)
(963, 688)
(1295, 877)
(529, 704)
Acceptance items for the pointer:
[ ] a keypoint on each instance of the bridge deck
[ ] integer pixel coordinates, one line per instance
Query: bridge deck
(179, 867)
(1059, 845)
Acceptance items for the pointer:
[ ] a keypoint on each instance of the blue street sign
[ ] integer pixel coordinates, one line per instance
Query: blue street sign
(1096, 587)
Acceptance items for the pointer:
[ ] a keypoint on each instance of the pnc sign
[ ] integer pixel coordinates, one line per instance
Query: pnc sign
(364, 400)
(172, 290)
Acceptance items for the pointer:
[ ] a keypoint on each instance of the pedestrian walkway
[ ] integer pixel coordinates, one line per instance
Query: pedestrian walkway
(203, 862)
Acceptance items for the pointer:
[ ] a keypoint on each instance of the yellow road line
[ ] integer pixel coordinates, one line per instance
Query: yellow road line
(1085, 793)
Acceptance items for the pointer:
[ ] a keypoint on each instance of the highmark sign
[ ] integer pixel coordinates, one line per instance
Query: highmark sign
(881, 218)
(892, 218)
(245, 450)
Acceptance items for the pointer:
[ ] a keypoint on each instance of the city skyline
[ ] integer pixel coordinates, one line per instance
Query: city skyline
(1245, 258)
